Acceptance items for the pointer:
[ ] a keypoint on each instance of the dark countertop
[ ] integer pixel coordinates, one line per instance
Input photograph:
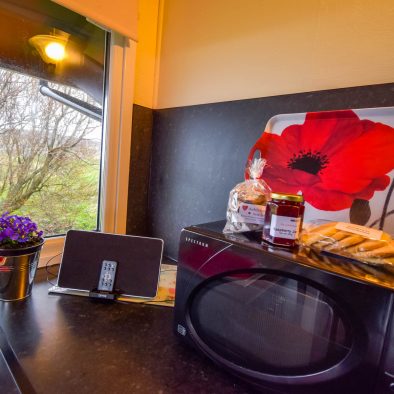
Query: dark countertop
(7, 383)
(69, 344)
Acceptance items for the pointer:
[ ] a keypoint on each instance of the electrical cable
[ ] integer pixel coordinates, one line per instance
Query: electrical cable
(48, 272)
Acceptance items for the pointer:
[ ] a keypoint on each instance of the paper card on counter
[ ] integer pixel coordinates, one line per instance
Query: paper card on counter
(366, 232)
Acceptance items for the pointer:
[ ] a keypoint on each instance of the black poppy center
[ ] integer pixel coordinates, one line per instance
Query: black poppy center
(308, 161)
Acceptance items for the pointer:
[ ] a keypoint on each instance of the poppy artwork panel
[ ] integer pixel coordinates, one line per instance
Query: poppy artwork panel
(341, 161)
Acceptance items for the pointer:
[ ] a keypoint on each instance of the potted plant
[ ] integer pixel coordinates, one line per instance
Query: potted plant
(20, 246)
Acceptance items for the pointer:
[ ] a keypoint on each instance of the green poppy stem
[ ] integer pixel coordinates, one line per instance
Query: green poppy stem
(386, 206)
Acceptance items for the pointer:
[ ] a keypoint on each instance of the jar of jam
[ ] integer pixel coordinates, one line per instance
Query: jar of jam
(283, 219)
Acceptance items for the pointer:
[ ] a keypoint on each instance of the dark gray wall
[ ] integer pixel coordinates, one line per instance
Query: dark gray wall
(141, 146)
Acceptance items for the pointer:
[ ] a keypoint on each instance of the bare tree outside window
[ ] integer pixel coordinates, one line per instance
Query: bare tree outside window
(49, 156)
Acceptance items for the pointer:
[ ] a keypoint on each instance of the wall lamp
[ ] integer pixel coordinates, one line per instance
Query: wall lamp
(52, 48)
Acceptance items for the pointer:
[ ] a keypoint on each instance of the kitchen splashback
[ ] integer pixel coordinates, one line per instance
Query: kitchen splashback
(199, 152)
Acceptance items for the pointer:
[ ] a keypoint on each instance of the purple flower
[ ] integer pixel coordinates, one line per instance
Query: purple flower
(18, 231)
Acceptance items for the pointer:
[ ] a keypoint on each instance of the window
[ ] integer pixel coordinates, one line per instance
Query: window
(58, 164)
(49, 154)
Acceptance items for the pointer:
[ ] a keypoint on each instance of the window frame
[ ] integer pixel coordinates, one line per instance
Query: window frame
(117, 129)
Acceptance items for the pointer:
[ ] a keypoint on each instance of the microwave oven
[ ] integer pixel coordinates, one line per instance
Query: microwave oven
(281, 320)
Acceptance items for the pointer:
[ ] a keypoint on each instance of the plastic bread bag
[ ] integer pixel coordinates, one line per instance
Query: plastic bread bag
(349, 240)
(247, 201)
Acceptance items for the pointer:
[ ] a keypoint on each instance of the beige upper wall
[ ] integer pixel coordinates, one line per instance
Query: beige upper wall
(147, 56)
(219, 50)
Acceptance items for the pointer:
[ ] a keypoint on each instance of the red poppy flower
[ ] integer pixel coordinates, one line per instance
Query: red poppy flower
(333, 159)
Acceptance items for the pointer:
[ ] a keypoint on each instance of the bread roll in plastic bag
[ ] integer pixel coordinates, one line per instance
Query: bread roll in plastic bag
(247, 201)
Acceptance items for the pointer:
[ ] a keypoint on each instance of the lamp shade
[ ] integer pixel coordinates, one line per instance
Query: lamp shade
(115, 15)
(50, 47)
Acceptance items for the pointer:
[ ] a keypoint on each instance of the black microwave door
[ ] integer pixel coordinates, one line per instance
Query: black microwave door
(273, 328)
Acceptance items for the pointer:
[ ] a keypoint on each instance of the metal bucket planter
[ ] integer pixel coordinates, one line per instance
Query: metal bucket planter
(17, 270)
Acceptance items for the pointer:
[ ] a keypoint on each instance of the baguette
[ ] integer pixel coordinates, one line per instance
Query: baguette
(378, 261)
(324, 231)
(345, 243)
(367, 245)
(340, 235)
(389, 260)
(385, 251)
(323, 227)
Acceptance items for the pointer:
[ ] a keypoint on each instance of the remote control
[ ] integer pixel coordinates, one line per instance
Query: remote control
(107, 275)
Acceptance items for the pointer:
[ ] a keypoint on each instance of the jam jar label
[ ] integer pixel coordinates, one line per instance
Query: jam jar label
(284, 227)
